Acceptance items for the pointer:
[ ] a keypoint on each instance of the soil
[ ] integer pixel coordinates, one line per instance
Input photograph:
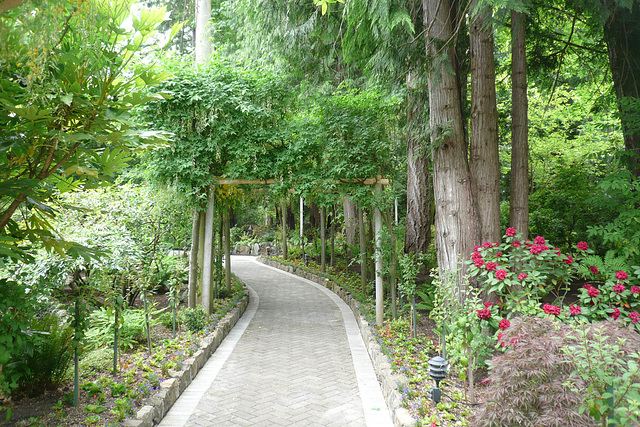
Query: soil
(54, 407)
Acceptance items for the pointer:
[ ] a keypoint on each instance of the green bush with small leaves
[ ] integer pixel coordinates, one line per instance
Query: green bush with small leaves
(194, 319)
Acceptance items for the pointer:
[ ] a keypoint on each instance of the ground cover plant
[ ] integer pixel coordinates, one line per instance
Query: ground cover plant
(107, 399)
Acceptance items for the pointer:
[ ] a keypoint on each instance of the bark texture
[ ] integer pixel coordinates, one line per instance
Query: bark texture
(456, 220)
(203, 38)
(484, 162)
(519, 205)
(350, 220)
(622, 35)
(419, 191)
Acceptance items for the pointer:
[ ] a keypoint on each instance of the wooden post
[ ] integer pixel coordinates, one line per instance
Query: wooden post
(302, 226)
(285, 254)
(363, 251)
(378, 257)
(333, 236)
(207, 267)
(202, 220)
(323, 238)
(227, 250)
(193, 258)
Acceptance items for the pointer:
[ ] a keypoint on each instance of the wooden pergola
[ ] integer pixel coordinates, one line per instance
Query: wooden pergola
(207, 265)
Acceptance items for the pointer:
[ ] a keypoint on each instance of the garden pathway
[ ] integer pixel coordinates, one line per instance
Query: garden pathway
(295, 358)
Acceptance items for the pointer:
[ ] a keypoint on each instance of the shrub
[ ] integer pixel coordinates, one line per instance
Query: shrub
(44, 367)
(194, 319)
(132, 330)
(95, 361)
(537, 381)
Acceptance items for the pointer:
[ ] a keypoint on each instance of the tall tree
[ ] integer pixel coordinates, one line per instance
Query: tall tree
(456, 220)
(419, 183)
(622, 35)
(519, 205)
(483, 148)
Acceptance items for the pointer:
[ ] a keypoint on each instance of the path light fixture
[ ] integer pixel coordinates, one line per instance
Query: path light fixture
(306, 259)
(437, 371)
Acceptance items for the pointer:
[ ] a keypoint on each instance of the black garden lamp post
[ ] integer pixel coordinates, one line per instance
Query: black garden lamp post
(438, 372)
(306, 259)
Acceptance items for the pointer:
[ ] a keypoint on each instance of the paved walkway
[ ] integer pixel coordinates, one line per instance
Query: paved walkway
(294, 359)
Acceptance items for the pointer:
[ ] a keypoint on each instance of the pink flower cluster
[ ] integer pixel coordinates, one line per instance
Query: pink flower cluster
(583, 246)
(501, 274)
(619, 288)
(551, 309)
(504, 324)
(484, 313)
(621, 275)
(574, 310)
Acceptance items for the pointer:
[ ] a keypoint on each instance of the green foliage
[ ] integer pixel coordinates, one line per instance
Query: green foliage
(567, 203)
(97, 361)
(454, 312)
(623, 200)
(194, 319)
(44, 366)
(131, 333)
(70, 81)
(228, 122)
(17, 309)
(610, 368)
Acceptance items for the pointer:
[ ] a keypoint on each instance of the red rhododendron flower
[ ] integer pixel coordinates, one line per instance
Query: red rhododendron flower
(538, 249)
(499, 254)
(593, 269)
(516, 244)
(484, 314)
(478, 262)
(539, 240)
(575, 309)
(500, 334)
(522, 276)
(527, 243)
(634, 317)
(635, 290)
(621, 275)
(615, 314)
(593, 292)
(587, 286)
(501, 274)
(488, 304)
(582, 246)
(504, 324)
(487, 245)
(511, 232)
(619, 288)
(491, 266)
(477, 247)
(557, 251)
(551, 309)
(475, 255)
(569, 260)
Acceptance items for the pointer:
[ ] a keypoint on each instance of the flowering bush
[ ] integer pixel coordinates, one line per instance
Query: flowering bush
(517, 269)
(520, 273)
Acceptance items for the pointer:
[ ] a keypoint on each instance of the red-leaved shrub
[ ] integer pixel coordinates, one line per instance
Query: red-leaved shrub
(529, 384)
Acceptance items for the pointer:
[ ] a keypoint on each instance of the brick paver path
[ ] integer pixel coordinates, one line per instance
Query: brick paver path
(294, 359)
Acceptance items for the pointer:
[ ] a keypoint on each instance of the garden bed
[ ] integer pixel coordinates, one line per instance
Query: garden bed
(108, 400)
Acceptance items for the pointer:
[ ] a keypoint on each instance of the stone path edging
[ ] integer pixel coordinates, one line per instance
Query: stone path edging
(157, 406)
(390, 382)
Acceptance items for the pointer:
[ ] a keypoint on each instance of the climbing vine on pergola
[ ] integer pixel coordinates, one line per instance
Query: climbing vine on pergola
(240, 125)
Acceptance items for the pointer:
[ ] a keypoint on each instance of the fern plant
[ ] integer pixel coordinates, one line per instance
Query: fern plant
(594, 267)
